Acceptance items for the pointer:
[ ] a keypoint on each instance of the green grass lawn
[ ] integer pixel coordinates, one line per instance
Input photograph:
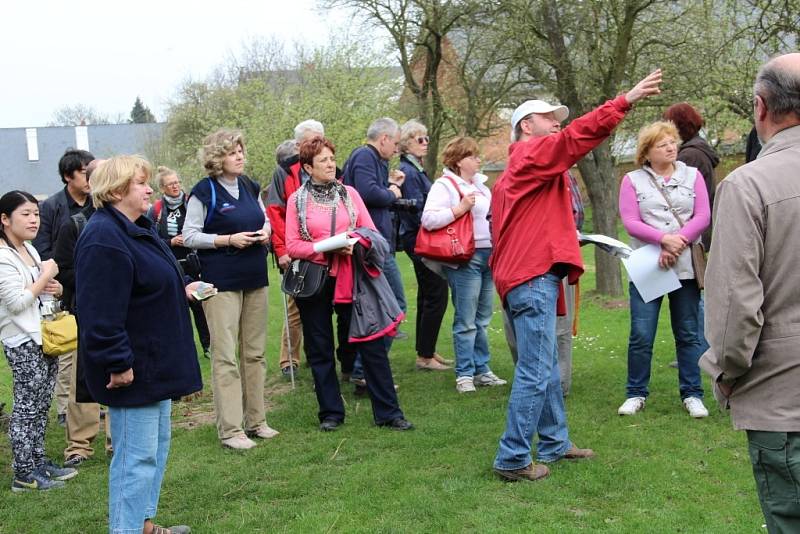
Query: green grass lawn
(659, 471)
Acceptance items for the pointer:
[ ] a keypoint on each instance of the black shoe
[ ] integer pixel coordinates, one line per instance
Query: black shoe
(287, 372)
(329, 425)
(398, 423)
(75, 460)
(62, 419)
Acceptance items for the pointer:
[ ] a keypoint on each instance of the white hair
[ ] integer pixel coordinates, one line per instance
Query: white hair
(309, 125)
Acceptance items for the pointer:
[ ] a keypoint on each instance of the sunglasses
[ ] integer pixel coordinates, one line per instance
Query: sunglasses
(423, 140)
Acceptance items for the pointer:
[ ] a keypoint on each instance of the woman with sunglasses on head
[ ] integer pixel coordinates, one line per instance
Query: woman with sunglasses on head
(431, 288)
(25, 282)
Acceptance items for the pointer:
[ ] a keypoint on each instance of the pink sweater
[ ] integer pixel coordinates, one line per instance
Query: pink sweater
(636, 227)
(319, 226)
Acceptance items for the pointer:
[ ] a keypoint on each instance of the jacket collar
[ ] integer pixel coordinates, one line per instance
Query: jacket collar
(788, 138)
(677, 177)
(476, 180)
(142, 227)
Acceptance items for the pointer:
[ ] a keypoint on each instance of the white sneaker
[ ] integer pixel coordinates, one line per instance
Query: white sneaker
(263, 431)
(464, 384)
(631, 406)
(489, 379)
(239, 442)
(695, 407)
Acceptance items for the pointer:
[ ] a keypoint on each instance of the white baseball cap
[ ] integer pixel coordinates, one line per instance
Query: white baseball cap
(537, 106)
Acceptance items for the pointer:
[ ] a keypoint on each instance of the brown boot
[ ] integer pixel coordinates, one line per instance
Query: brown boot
(574, 453)
(531, 473)
(430, 364)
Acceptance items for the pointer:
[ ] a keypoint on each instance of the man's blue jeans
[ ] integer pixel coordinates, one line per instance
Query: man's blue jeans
(683, 309)
(140, 436)
(536, 403)
(472, 291)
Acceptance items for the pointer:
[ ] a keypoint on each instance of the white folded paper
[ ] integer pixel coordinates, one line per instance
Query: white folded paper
(334, 242)
(650, 280)
(607, 244)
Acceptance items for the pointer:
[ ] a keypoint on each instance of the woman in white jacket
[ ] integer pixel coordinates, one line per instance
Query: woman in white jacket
(470, 283)
(24, 278)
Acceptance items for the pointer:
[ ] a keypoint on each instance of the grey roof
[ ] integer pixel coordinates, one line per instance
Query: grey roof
(41, 177)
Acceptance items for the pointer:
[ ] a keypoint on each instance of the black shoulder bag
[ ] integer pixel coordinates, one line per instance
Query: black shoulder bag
(304, 278)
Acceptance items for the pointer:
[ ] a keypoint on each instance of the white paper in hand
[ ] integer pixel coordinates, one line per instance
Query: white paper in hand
(650, 280)
(334, 242)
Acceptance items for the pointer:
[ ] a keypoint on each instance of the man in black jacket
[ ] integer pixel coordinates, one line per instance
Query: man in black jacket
(83, 414)
(53, 213)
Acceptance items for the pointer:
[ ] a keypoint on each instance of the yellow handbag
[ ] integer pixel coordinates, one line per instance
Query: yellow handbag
(60, 335)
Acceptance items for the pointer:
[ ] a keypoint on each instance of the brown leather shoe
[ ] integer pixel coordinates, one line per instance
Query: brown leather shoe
(574, 453)
(431, 364)
(531, 473)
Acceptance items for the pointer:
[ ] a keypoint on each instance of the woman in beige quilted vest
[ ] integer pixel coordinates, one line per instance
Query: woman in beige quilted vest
(664, 203)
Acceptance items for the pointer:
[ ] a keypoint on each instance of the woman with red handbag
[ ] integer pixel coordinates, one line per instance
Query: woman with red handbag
(461, 192)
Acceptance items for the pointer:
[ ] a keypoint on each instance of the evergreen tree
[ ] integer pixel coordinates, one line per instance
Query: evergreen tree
(141, 113)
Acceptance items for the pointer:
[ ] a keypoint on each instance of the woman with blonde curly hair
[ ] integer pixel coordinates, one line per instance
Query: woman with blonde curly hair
(226, 223)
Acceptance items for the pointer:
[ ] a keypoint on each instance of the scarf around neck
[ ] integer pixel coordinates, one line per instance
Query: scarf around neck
(327, 197)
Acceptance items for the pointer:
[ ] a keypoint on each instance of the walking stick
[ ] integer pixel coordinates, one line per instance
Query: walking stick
(288, 334)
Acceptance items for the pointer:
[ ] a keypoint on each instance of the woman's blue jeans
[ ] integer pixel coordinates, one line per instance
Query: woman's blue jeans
(140, 436)
(684, 313)
(472, 291)
(537, 402)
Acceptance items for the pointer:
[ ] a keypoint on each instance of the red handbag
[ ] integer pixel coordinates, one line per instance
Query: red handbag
(454, 243)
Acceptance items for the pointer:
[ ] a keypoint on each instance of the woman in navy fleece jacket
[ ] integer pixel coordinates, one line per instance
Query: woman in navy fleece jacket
(135, 336)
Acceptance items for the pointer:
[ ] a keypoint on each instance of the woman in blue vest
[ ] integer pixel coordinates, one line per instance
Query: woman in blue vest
(226, 223)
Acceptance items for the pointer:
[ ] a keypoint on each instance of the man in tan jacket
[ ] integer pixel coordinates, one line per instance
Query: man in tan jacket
(753, 295)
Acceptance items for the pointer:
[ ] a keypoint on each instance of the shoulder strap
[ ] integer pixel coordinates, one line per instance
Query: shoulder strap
(458, 189)
(79, 219)
(213, 204)
(666, 199)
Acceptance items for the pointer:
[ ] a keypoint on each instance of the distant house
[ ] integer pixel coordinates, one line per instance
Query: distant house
(30, 155)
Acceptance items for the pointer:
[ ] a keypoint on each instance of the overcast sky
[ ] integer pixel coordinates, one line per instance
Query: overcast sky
(57, 53)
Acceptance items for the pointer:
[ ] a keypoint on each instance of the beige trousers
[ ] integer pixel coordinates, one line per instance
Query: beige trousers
(62, 382)
(83, 420)
(294, 332)
(238, 319)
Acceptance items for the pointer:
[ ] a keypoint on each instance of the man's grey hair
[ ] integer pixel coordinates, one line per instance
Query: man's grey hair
(517, 133)
(285, 150)
(306, 126)
(383, 126)
(780, 90)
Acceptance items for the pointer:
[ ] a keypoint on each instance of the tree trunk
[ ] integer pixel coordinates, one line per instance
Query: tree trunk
(597, 171)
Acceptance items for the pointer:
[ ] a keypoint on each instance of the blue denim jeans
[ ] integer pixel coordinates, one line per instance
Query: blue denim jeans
(683, 308)
(140, 436)
(536, 402)
(392, 274)
(472, 292)
(701, 326)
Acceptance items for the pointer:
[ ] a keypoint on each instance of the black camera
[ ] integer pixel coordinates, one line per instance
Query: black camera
(409, 205)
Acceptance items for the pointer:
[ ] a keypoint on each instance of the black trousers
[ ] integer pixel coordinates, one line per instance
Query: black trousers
(200, 323)
(431, 306)
(316, 314)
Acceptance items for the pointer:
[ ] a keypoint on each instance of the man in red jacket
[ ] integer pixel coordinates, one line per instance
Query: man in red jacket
(535, 246)
(286, 179)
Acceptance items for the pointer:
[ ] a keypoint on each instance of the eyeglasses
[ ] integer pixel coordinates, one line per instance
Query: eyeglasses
(423, 139)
